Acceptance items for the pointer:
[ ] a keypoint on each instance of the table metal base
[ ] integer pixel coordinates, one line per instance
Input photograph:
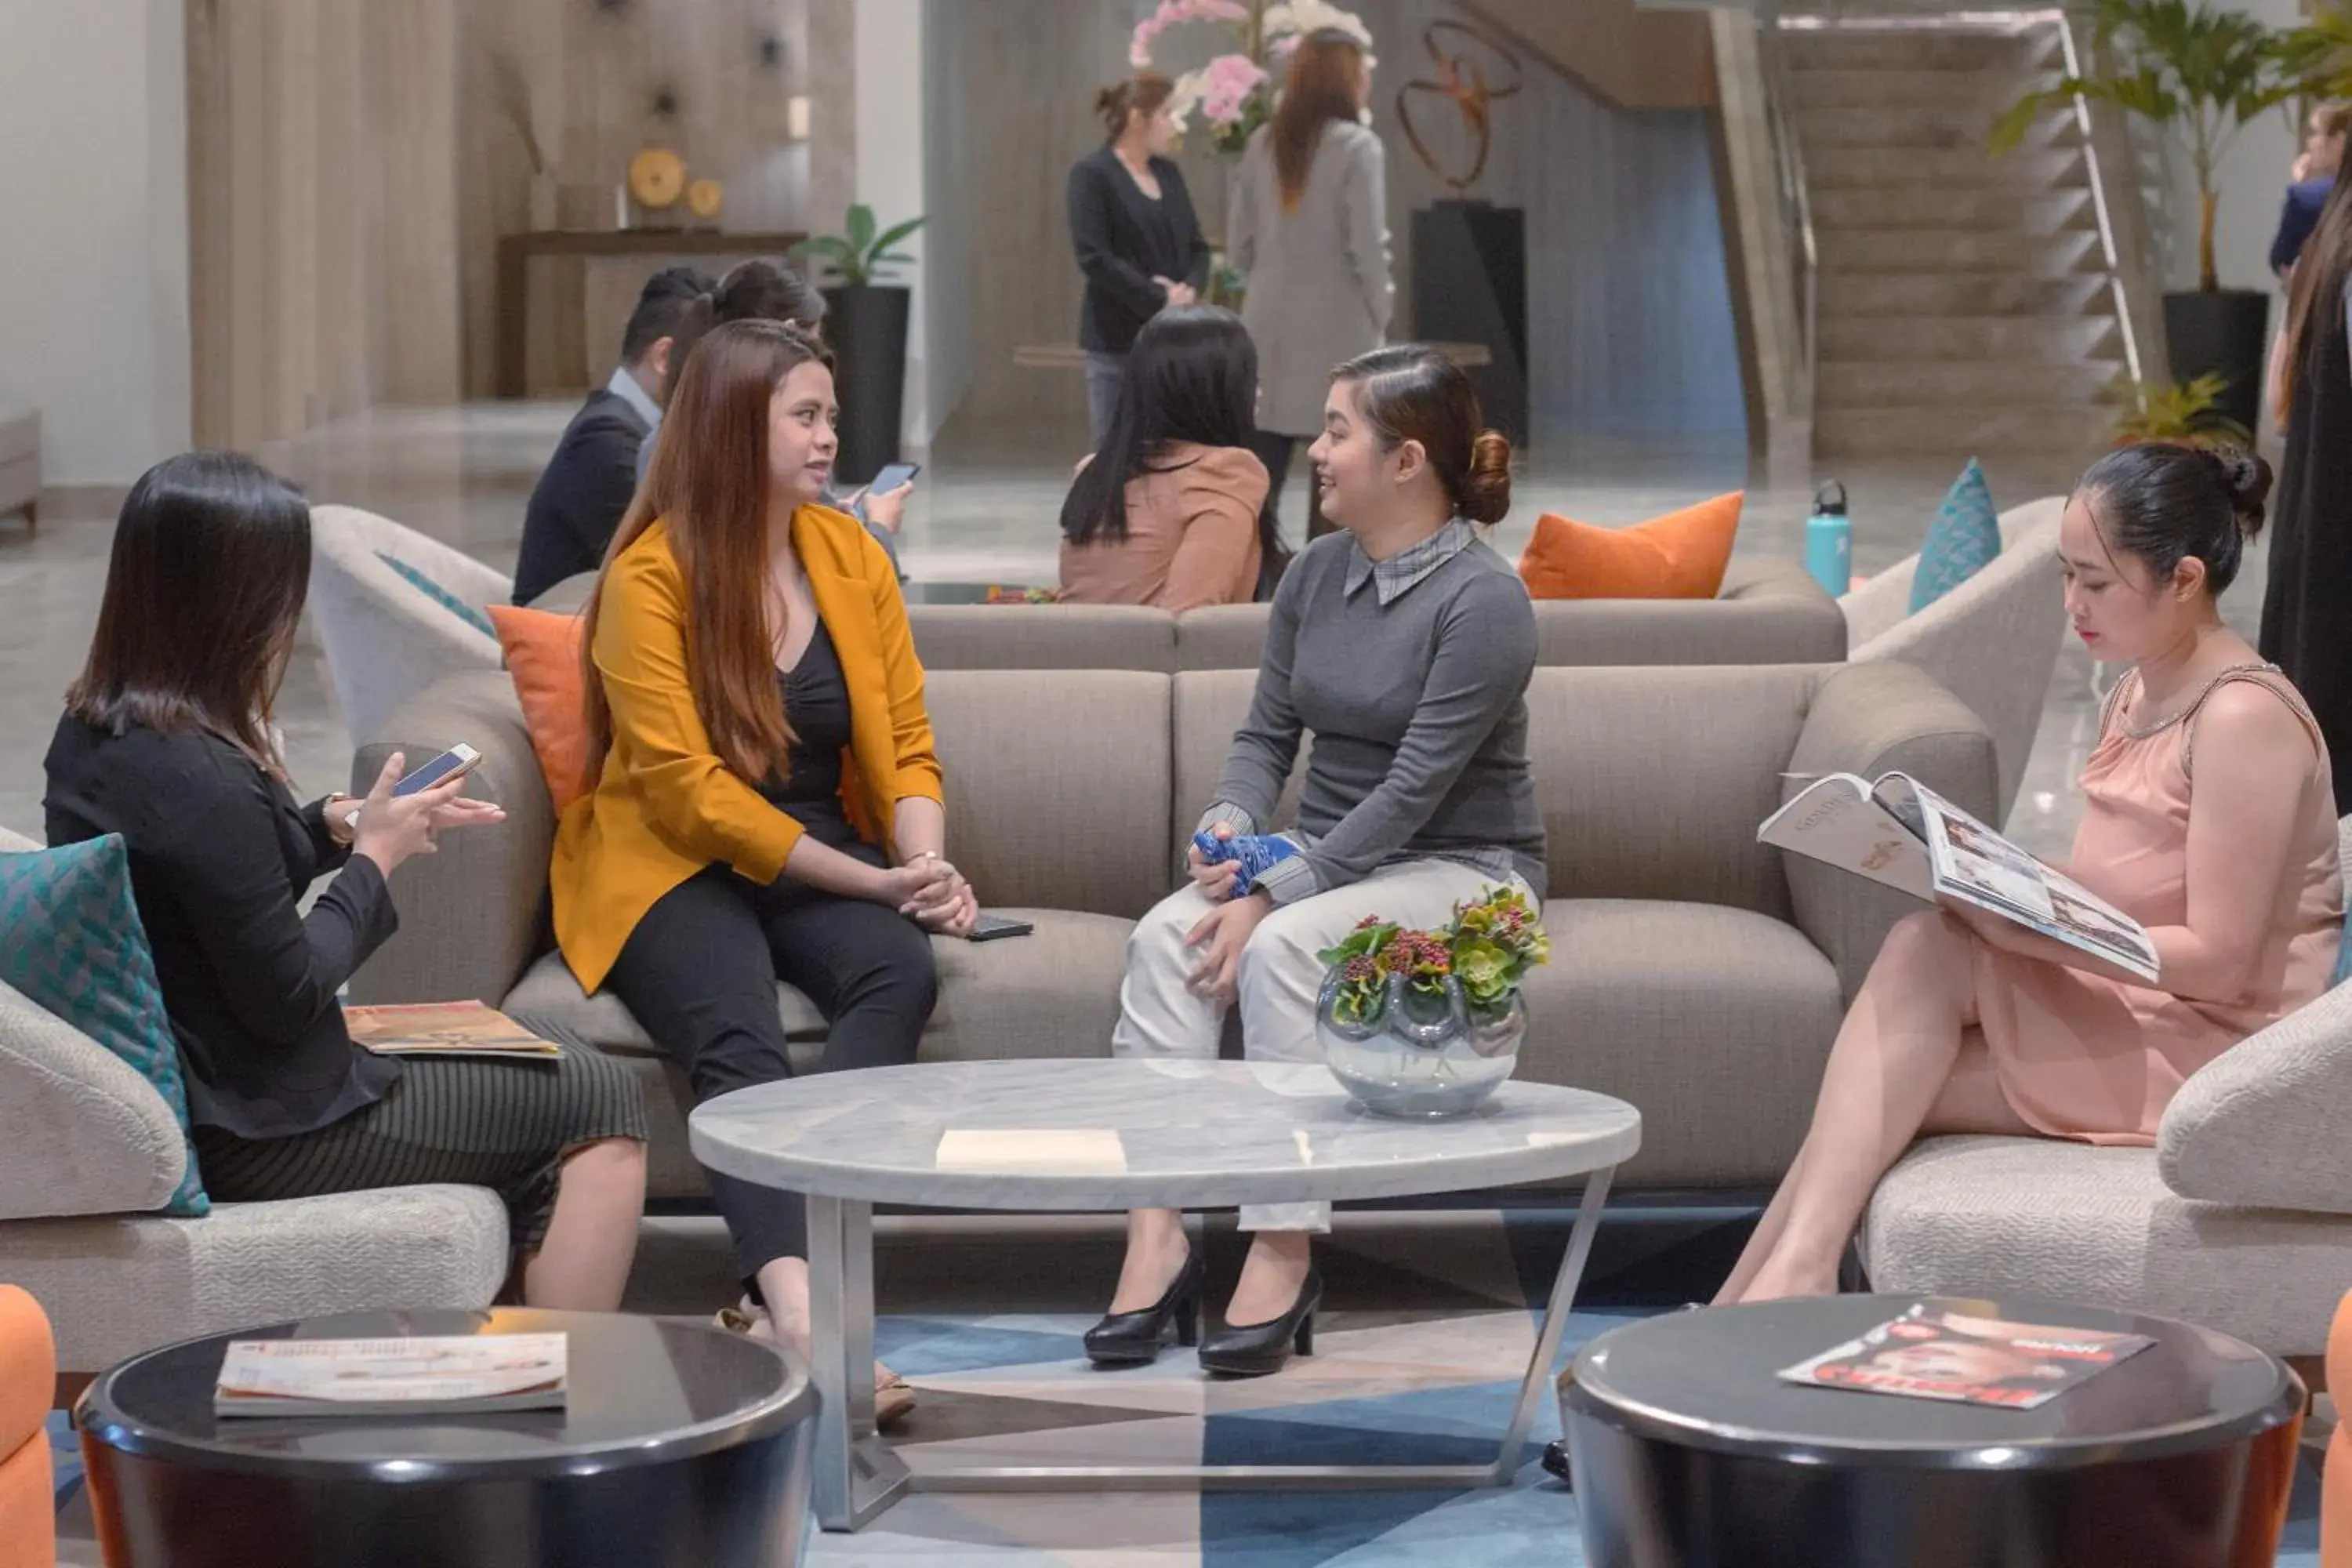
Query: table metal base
(859, 1477)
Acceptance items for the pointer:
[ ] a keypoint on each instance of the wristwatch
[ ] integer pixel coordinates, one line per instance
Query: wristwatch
(341, 813)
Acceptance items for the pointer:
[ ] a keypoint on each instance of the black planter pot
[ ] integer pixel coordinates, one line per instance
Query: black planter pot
(2223, 333)
(867, 325)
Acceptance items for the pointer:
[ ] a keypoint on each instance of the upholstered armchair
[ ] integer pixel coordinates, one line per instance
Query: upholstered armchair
(386, 639)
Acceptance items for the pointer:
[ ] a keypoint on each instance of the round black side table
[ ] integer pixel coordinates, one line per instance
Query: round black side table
(682, 1446)
(1688, 1450)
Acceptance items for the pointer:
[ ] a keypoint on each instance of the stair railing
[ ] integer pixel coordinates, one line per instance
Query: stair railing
(1795, 192)
(2102, 206)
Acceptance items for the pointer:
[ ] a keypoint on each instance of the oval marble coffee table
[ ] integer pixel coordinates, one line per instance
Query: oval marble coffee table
(1095, 1135)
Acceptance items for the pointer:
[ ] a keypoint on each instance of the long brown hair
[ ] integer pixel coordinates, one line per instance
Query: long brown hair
(709, 484)
(210, 566)
(1325, 71)
(2318, 284)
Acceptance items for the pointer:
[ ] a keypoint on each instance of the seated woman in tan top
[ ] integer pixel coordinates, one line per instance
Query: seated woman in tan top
(1172, 511)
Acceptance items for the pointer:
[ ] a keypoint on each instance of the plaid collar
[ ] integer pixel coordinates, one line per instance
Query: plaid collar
(1400, 571)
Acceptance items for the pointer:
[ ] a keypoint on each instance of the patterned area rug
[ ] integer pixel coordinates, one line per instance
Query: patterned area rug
(1416, 1362)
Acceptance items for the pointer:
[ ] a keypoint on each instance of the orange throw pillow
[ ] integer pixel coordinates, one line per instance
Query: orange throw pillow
(1681, 555)
(542, 652)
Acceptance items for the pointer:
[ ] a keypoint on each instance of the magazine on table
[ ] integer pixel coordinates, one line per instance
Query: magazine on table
(1901, 834)
(1929, 1353)
(443, 1029)
(467, 1374)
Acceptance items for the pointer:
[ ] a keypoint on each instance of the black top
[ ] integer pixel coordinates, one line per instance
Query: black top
(1123, 240)
(579, 496)
(219, 853)
(1709, 1380)
(2297, 219)
(641, 1392)
(816, 701)
(2311, 538)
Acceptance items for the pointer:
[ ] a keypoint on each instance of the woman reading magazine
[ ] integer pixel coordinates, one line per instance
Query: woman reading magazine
(2208, 818)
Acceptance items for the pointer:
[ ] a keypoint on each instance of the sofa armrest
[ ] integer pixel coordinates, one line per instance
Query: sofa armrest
(2262, 1125)
(1868, 720)
(472, 913)
(80, 1132)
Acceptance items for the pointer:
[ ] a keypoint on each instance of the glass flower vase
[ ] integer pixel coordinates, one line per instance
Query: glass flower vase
(1419, 1055)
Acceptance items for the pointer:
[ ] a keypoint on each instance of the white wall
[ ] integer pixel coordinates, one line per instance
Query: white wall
(2252, 179)
(889, 62)
(94, 270)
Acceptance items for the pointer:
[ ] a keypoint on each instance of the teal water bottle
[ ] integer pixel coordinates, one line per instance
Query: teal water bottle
(1829, 540)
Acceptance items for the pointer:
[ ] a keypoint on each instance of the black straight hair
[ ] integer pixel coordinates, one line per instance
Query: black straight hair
(1190, 377)
(661, 309)
(210, 567)
(2163, 502)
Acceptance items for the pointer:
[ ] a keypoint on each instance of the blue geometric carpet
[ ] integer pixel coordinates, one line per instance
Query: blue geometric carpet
(1430, 1324)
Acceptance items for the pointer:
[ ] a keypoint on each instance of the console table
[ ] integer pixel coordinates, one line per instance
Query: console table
(517, 251)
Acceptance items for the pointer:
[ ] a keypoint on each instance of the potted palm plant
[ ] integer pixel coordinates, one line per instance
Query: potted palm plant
(2200, 74)
(866, 324)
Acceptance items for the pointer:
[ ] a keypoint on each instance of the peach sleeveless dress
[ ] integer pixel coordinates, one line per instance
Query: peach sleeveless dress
(2079, 1056)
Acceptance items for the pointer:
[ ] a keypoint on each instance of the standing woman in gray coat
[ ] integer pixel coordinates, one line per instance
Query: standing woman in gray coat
(1308, 229)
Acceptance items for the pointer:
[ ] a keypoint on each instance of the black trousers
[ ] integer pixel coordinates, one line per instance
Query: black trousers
(700, 970)
(1275, 451)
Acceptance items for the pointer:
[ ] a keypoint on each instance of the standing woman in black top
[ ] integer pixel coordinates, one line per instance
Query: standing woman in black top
(2304, 624)
(166, 740)
(1137, 241)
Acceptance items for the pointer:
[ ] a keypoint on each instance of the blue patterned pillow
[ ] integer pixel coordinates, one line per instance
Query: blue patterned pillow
(77, 949)
(440, 595)
(1960, 543)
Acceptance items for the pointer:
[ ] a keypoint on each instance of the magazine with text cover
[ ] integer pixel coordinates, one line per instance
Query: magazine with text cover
(1903, 834)
(1932, 1354)
(443, 1029)
(460, 1375)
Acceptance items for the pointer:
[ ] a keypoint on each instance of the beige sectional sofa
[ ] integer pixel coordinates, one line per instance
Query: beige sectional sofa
(1769, 612)
(1695, 973)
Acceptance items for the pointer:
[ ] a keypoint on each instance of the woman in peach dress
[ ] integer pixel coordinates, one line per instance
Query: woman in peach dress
(2209, 817)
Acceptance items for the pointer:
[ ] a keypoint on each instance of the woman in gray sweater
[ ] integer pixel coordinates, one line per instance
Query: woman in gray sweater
(1404, 645)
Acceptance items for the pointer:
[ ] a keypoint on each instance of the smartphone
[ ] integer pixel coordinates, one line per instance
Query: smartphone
(992, 926)
(454, 762)
(892, 476)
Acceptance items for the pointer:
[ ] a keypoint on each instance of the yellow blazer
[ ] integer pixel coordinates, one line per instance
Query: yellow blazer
(664, 806)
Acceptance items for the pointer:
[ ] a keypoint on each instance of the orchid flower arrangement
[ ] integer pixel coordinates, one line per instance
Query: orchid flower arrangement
(1234, 90)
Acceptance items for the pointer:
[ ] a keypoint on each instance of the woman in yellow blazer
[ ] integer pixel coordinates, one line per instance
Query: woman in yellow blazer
(767, 806)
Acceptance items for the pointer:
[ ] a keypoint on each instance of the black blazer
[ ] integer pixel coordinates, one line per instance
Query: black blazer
(219, 852)
(579, 496)
(1123, 239)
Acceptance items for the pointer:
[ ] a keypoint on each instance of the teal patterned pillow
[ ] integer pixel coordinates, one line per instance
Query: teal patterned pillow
(1962, 540)
(440, 595)
(77, 948)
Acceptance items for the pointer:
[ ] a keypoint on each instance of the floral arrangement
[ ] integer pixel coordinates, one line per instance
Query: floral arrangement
(1234, 90)
(1487, 948)
(998, 593)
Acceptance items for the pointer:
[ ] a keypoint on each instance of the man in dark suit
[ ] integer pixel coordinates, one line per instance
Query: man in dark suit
(587, 484)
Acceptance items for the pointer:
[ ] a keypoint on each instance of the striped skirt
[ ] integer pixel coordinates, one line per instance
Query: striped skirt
(506, 1125)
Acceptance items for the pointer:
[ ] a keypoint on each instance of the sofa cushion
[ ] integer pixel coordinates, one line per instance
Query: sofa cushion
(29, 1369)
(1057, 786)
(1043, 637)
(81, 953)
(80, 1131)
(1678, 1009)
(2044, 1216)
(116, 1285)
(1680, 555)
(1961, 541)
(442, 597)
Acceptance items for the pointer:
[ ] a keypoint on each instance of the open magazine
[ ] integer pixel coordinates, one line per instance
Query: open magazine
(464, 1374)
(443, 1029)
(1901, 834)
(1928, 1353)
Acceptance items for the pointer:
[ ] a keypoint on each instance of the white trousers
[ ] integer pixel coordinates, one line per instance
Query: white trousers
(1160, 1015)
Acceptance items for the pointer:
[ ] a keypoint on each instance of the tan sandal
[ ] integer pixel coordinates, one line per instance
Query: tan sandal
(893, 1402)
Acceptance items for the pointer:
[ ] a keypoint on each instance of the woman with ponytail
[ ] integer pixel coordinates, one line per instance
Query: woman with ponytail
(1404, 646)
(2208, 818)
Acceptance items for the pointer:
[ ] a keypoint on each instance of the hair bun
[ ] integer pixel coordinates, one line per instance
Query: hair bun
(2247, 477)
(1487, 487)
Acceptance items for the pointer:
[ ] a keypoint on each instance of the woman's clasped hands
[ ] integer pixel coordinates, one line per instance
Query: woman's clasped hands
(933, 893)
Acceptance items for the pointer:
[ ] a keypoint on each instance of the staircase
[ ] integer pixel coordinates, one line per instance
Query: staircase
(1964, 300)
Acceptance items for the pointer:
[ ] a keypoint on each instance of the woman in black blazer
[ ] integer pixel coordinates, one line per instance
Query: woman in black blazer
(166, 741)
(1137, 241)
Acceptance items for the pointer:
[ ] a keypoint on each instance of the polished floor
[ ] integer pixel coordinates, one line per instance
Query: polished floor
(983, 510)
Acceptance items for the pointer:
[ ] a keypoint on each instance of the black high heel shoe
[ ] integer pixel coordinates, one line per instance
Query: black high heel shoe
(1133, 1339)
(1253, 1350)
